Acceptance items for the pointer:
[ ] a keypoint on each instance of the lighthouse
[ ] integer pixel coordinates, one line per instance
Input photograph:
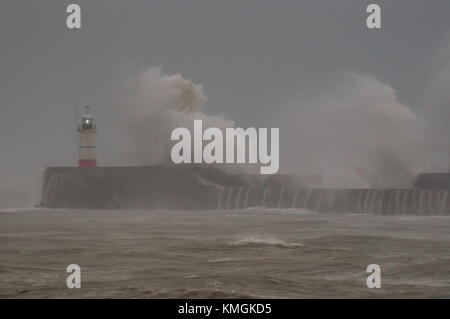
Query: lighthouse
(87, 129)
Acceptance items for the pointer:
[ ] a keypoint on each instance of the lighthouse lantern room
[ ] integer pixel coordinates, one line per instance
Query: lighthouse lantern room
(87, 129)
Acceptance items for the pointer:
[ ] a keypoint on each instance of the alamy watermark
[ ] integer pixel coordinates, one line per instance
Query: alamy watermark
(74, 279)
(373, 21)
(256, 150)
(374, 279)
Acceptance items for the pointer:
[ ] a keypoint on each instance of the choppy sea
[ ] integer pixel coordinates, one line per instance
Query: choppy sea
(251, 253)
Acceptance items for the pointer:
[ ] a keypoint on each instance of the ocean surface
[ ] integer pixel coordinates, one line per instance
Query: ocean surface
(248, 253)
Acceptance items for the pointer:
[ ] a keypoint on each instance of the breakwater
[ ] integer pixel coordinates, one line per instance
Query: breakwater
(200, 188)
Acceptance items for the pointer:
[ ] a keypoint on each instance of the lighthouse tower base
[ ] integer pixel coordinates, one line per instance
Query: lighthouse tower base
(87, 163)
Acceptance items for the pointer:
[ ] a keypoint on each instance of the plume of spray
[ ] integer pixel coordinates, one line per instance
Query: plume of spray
(154, 105)
(354, 131)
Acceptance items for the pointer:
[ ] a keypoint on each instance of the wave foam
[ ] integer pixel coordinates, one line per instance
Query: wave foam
(260, 241)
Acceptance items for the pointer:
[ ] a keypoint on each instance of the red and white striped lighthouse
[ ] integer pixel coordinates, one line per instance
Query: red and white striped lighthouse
(87, 129)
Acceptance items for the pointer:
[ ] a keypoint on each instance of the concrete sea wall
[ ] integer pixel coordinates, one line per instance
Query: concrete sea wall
(202, 188)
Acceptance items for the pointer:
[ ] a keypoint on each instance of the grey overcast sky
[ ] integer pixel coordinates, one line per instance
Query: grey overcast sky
(250, 56)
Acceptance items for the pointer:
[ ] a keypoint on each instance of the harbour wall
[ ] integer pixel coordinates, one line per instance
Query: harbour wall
(203, 188)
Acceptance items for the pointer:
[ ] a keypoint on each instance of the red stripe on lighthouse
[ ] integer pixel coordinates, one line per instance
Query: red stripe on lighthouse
(87, 163)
